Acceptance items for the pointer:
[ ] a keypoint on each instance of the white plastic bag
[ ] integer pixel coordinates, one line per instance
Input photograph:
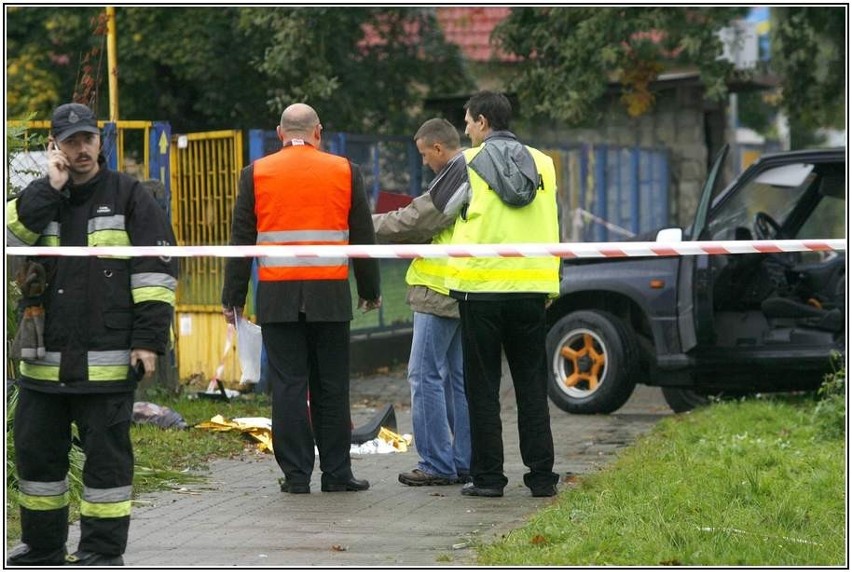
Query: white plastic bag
(249, 344)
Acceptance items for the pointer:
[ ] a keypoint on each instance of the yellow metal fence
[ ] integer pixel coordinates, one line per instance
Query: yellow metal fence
(205, 170)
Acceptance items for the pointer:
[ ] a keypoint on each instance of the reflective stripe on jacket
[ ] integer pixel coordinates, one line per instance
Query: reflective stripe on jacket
(490, 221)
(431, 272)
(427, 277)
(302, 196)
(96, 308)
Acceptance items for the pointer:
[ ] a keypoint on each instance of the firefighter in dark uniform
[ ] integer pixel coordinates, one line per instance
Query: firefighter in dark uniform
(105, 321)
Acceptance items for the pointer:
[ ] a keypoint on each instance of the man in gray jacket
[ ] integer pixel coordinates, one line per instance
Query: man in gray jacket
(435, 371)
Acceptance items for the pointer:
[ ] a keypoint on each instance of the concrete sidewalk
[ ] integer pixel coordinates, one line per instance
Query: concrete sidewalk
(240, 518)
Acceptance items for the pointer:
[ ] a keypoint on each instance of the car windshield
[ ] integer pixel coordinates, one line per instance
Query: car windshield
(774, 192)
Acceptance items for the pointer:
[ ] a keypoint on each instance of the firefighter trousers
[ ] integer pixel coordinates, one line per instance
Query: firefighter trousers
(43, 440)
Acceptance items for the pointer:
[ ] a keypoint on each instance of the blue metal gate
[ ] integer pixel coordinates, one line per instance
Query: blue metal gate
(611, 193)
(389, 164)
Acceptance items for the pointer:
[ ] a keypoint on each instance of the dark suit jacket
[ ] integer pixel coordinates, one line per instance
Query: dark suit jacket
(320, 300)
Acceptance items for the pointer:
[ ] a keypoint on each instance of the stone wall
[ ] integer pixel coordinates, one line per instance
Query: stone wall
(681, 122)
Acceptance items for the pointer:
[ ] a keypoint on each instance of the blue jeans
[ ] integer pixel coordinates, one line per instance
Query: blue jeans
(438, 403)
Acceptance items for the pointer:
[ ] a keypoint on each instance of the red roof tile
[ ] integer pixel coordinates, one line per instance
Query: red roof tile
(470, 29)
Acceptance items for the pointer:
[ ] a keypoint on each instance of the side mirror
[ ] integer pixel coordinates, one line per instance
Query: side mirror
(670, 235)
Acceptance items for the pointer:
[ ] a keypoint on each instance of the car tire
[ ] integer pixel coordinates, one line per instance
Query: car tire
(683, 400)
(592, 362)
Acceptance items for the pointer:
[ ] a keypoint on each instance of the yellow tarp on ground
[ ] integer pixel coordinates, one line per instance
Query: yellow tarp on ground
(260, 429)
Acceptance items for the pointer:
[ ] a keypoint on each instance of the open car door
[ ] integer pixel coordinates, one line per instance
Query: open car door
(695, 305)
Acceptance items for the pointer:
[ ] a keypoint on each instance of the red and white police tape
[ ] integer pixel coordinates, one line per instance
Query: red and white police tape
(562, 249)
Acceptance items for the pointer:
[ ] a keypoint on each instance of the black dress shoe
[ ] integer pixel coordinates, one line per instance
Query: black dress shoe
(545, 491)
(25, 555)
(294, 488)
(472, 490)
(352, 484)
(83, 558)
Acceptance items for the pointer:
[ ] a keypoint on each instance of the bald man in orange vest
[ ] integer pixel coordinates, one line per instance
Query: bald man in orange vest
(303, 195)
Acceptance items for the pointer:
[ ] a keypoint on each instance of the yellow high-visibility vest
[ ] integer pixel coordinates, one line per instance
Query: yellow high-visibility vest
(490, 221)
(431, 272)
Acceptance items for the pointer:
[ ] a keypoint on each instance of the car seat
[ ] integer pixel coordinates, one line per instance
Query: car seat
(804, 314)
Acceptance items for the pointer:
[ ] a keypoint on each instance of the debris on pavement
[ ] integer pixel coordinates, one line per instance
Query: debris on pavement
(160, 415)
(216, 390)
(260, 429)
(386, 442)
(385, 417)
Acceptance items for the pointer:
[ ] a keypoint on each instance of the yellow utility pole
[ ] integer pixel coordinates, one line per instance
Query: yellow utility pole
(112, 64)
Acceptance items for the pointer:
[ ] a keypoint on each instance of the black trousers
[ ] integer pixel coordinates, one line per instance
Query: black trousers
(42, 435)
(517, 327)
(311, 356)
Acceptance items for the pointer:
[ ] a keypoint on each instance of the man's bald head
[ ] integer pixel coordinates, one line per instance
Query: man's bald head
(299, 119)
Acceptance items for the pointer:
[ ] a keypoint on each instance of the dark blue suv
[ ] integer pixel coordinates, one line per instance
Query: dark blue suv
(712, 325)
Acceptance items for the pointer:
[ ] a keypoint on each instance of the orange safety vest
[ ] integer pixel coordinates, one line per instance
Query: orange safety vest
(302, 196)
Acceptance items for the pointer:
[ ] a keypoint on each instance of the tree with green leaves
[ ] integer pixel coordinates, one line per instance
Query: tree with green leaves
(202, 68)
(572, 57)
(364, 69)
(809, 55)
(189, 66)
(43, 51)
(193, 67)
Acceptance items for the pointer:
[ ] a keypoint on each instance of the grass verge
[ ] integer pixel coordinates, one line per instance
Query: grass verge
(169, 452)
(734, 484)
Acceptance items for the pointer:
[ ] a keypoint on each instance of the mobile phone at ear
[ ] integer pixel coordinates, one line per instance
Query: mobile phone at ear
(139, 370)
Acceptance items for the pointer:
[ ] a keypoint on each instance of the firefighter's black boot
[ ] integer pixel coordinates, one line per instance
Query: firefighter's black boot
(83, 558)
(24, 555)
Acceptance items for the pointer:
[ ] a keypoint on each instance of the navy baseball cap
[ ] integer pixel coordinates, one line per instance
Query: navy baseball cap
(71, 118)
